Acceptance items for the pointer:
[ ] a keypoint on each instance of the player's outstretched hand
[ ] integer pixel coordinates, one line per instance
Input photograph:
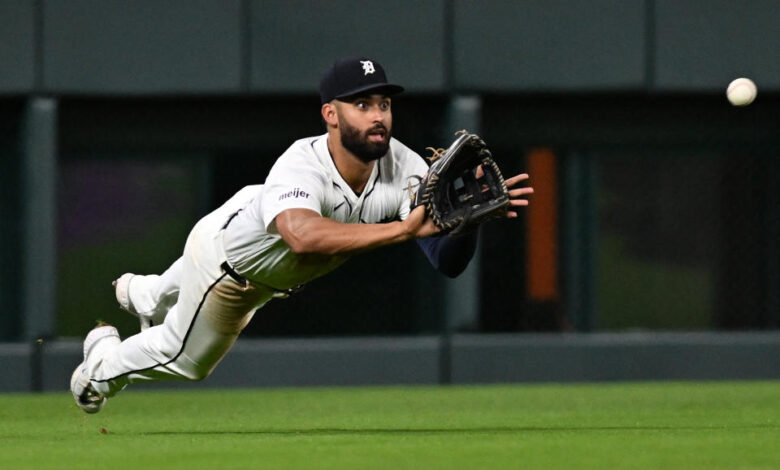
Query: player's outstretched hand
(419, 225)
(518, 196)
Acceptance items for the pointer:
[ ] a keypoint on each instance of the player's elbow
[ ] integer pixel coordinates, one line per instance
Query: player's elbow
(298, 229)
(304, 241)
(297, 248)
(300, 245)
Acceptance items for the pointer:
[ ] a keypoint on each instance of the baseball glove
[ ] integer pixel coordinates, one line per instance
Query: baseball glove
(464, 186)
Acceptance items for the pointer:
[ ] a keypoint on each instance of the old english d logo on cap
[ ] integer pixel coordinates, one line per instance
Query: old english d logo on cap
(353, 76)
(368, 67)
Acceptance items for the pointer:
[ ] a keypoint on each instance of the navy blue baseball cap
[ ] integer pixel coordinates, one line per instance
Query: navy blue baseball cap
(352, 76)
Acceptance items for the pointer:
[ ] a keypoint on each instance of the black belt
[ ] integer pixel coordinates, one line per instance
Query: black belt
(232, 273)
(278, 293)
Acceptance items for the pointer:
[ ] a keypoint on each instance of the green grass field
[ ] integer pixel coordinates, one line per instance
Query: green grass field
(595, 426)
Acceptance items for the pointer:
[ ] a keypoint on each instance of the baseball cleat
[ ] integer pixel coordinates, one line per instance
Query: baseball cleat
(122, 292)
(87, 398)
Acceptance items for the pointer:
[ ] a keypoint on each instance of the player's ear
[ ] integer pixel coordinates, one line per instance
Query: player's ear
(330, 114)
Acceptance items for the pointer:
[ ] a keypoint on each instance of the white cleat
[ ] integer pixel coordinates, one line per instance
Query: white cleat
(122, 292)
(87, 398)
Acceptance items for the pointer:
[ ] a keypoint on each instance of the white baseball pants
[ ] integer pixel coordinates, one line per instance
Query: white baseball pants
(210, 311)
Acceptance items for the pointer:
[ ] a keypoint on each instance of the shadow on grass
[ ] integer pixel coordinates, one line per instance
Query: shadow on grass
(475, 430)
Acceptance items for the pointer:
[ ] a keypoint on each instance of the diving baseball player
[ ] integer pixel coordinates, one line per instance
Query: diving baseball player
(325, 199)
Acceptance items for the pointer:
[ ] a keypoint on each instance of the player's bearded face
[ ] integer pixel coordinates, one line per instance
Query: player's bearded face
(364, 144)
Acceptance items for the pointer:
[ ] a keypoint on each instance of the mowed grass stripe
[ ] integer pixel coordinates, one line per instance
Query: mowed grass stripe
(630, 425)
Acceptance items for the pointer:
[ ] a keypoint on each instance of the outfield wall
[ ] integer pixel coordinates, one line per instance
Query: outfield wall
(459, 359)
(272, 46)
(108, 108)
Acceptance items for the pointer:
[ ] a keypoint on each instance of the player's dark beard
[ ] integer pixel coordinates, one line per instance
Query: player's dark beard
(357, 142)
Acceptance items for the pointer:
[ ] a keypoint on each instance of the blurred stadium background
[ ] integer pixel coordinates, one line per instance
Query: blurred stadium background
(651, 249)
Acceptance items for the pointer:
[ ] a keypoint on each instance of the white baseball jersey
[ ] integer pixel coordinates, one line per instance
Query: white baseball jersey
(305, 177)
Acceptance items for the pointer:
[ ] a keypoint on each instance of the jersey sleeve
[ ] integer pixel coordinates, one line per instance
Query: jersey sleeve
(414, 171)
(293, 183)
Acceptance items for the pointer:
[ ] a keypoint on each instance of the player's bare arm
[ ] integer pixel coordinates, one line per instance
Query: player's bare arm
(305, 231)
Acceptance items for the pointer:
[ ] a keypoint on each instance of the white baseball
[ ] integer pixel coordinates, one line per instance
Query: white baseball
(741, 92)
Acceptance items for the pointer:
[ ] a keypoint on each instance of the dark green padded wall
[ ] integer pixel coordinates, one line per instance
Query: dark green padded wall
(278, 46)
(17, 46)
(293, 42)
(549, 45)
(703, 45)
(116, 46)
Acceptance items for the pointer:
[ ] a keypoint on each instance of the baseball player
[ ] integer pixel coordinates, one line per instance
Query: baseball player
(325, 199)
